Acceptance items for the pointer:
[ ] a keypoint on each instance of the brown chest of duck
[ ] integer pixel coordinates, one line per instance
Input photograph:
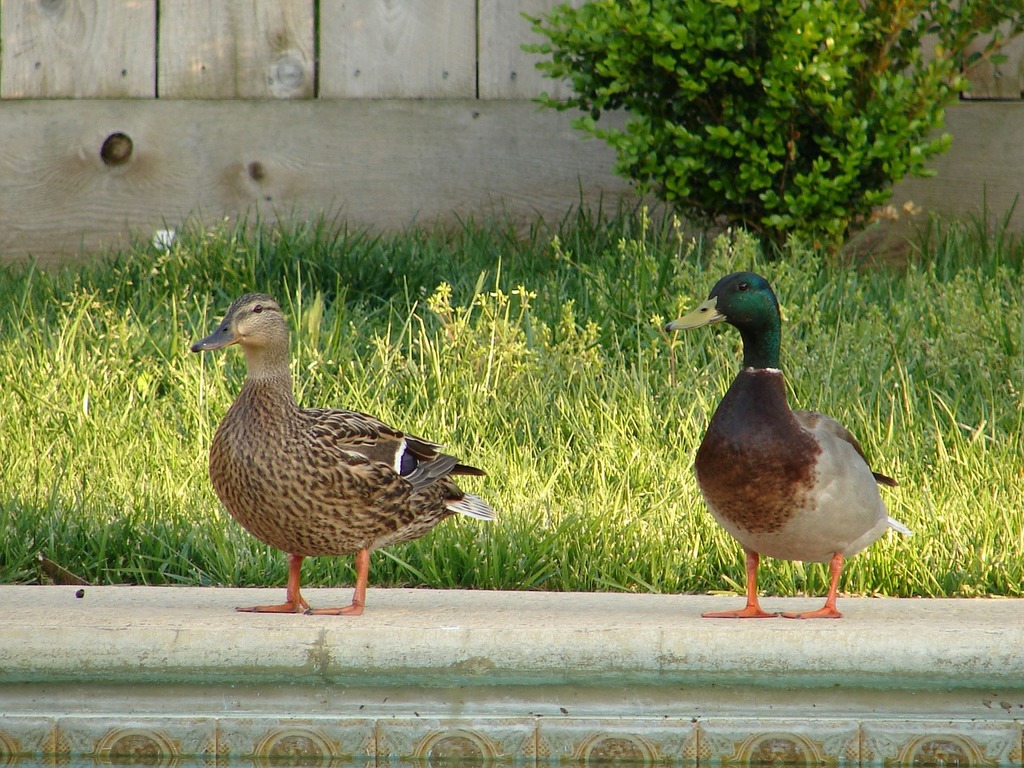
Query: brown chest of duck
(787, 484)
(313, 481)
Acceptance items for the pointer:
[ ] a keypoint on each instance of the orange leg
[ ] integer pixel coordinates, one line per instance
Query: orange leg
(752, 609)
(359, 598)
(829, 610)
(294, 602)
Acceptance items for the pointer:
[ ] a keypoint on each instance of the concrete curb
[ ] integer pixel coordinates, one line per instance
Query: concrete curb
(138, 634)
(136, 675)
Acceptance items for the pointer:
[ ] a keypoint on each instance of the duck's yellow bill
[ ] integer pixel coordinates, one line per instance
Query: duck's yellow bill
(705, 314)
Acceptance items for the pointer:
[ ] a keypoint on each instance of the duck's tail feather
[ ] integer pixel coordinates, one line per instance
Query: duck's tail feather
(896, 525)
(472, 506)
(885, 480)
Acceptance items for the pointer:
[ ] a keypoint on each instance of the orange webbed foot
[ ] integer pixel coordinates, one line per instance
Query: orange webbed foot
(827, 612)
(356, 609)
(294, 601)
(362, 564)
(750, 612)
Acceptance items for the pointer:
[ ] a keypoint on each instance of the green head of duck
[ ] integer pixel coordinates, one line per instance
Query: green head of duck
(746, 301)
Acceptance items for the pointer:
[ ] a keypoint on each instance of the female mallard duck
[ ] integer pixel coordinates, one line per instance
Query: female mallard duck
(787, 484)
(311, 481)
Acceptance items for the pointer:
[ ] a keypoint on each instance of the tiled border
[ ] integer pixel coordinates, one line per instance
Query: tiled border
(140, 740)
(760, 741)
(478, 740)
(638, 741)
(306, 741)
(27, 737)
(951, 743)
(720, 742)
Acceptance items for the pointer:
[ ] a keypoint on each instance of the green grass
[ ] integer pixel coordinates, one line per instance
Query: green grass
(536, 355)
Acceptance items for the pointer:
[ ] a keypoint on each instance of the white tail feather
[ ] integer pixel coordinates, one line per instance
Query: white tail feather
(896, 525)
(472, 506)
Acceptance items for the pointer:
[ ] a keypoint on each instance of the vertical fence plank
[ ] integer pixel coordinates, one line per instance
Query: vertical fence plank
(77, 49)
(1000, 81)
(398, 49)
(506, 71)
(236, 50)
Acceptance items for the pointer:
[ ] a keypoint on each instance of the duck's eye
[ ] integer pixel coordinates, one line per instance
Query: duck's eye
(743, 287)
(257, 309)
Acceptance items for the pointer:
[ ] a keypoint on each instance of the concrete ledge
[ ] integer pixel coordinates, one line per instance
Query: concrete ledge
(135, 675)
(133, 634)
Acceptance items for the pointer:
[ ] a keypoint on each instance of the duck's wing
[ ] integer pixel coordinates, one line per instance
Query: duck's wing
(818, 422)
(418, 461)
(813, 422)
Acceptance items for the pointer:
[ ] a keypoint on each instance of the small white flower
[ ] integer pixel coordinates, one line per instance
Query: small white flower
(163, 239)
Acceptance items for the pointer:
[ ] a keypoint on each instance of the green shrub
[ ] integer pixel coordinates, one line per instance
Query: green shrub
(789, 117)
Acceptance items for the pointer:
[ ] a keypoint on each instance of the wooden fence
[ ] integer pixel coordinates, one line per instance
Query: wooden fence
(120, 117)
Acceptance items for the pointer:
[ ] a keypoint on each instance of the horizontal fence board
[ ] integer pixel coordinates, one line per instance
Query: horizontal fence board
(379, 164)
(78, 49)
(506, 70)
(262, 49)
(398, 49)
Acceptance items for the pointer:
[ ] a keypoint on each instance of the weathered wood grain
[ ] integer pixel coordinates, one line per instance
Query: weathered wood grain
(246, 50)
(379, 164)
(506, 70)
(77, 49)
(398, 49)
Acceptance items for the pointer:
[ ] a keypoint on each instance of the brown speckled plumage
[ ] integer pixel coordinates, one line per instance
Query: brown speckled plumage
(313, 481)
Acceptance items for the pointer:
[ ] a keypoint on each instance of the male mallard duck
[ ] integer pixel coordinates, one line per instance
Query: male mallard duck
(787, 484)
(311, 481)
